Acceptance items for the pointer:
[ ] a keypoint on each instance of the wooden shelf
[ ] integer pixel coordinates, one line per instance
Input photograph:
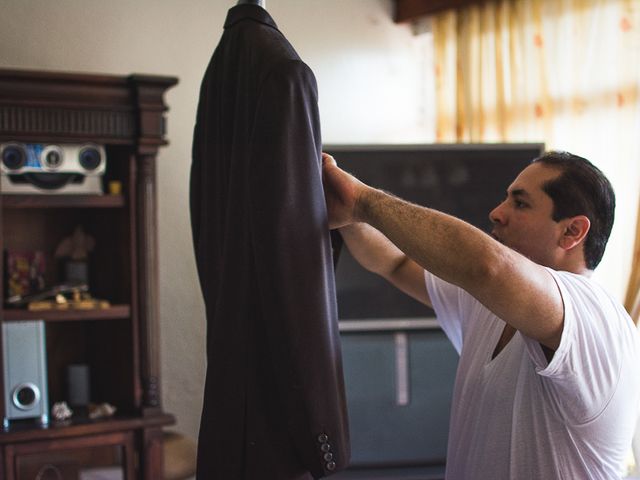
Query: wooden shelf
(112, 313)
(62, 201)
(30, 432)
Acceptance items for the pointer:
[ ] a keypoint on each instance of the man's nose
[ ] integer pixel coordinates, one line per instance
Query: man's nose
(497, 215)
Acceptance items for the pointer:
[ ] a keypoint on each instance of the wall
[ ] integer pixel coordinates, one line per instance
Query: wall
(372, 85)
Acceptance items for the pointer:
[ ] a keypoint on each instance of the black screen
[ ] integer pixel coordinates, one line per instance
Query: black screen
(464, 180)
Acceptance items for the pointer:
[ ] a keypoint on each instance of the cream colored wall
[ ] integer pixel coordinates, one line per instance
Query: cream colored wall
(372, 89)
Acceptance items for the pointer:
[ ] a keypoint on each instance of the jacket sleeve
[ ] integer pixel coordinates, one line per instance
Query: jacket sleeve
(292, 249)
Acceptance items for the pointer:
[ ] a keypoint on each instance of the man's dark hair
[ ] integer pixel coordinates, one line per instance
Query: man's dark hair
(582, 189)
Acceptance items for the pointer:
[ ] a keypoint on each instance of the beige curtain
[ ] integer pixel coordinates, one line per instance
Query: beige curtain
(564, 72)
(632, 301)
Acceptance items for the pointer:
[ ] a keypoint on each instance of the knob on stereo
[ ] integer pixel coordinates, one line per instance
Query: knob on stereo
(90, 158)
(52, 158)
(14, 156)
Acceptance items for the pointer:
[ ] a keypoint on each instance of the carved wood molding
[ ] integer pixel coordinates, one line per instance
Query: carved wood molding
(21, 122)
(409, 10)
(148, 93)
(68, 107)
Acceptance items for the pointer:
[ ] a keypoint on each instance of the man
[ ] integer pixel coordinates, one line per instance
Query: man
(547, 384)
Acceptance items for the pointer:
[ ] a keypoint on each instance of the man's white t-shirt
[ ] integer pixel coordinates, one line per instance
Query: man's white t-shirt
(519, 417)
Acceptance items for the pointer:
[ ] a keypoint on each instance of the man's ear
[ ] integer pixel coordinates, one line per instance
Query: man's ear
(575, 230)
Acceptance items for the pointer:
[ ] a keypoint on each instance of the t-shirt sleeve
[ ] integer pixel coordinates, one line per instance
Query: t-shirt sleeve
(447, 302)
(596, 341)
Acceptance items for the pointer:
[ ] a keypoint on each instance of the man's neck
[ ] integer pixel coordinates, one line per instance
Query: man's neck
(572, 264)
(577, 269)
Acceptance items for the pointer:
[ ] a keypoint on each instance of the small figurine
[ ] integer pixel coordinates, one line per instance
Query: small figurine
(74, 251)
(61, 411)
(77, 246)
(103, 410)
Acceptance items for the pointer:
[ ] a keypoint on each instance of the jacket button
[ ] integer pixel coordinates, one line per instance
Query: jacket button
(325, 447)
(328, 456)
(323, 438)
(331, 466)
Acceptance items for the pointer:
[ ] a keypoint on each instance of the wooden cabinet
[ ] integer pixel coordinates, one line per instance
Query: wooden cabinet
(119, 343)
(104, 455)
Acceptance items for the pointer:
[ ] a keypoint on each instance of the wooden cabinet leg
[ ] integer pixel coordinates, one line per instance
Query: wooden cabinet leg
(3, 473)
(152, 455)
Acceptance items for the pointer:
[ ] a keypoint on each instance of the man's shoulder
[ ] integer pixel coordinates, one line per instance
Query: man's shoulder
(590, 301)
(583, 287)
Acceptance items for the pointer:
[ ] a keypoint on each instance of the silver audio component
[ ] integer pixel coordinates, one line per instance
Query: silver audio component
(52, 168)
(25, 371)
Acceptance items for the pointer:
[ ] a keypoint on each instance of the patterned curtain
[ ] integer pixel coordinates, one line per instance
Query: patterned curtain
(564, 72)
(632, 302)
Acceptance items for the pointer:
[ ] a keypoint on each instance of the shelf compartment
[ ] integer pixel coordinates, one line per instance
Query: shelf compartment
(111, 313)
(75, 428)
(63, 201)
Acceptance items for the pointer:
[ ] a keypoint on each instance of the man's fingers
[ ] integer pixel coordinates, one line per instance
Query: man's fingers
(328, 159)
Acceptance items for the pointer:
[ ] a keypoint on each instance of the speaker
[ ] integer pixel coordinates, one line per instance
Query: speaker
(78, 385)
(25, 371)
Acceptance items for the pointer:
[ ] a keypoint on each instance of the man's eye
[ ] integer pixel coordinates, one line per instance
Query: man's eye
(520, 204)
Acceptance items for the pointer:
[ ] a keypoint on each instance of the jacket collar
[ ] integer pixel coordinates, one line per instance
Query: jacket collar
(250, 12)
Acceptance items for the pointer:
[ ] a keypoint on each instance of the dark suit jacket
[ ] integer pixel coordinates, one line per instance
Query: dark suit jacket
(274, 405)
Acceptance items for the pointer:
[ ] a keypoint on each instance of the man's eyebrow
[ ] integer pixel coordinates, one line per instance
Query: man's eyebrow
(518, 192)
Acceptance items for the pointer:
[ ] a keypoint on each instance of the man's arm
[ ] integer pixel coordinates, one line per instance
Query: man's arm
(376, 253)
(516, 289)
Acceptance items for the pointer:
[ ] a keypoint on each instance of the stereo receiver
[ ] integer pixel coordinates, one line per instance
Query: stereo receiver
(47, 168)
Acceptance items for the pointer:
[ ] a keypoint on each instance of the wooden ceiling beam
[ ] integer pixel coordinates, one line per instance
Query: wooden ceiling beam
(408, 10)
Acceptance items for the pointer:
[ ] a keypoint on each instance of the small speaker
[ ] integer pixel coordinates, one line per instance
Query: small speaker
(25, 371)
(78, 385)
